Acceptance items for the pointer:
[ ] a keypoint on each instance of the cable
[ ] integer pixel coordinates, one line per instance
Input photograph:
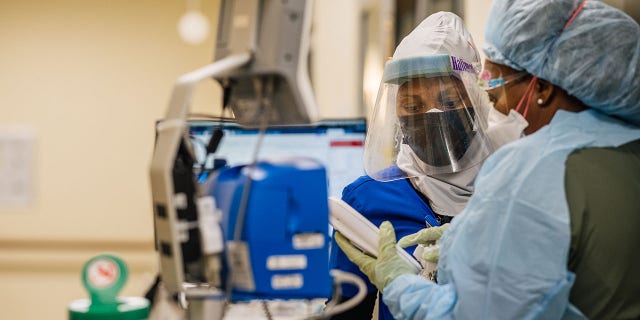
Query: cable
(337, 293)
(244, 200)
(265, 308)
(343, 277)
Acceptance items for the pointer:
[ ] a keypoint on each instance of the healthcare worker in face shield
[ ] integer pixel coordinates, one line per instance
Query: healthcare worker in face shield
(426, 141)
(551, 231)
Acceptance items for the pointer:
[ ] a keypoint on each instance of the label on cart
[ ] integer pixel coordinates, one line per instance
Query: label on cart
(182, 228)
(287, 281)
(287, 262)
(305, 241)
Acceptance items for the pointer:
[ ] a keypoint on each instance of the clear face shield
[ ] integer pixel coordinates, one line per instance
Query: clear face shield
(425, 121)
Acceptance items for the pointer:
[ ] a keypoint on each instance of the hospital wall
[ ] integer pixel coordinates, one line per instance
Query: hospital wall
(87, 79)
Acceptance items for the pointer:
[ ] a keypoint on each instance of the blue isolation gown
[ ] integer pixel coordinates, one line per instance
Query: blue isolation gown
(395, 201)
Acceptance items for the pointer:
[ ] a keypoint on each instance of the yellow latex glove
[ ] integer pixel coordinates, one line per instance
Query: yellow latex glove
(432, 255)
(384, 269)
(425, 237)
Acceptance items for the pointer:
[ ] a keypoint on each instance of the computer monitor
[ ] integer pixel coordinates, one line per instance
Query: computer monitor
(338, 144)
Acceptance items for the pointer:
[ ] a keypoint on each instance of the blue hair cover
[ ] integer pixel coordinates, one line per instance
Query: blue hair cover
(595, 59)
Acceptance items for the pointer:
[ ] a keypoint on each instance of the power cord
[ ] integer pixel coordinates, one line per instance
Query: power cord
(340, 277)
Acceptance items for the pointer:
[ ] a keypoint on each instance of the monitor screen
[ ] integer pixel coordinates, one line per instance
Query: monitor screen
(337, 144)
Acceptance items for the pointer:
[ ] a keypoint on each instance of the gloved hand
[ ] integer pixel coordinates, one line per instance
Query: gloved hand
(384, 269)
(425, 237)
(432, 255)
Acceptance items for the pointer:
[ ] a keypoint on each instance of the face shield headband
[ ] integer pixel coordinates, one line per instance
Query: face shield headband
(425, 121)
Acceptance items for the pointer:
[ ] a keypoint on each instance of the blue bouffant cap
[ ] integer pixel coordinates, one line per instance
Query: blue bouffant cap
(595, 59)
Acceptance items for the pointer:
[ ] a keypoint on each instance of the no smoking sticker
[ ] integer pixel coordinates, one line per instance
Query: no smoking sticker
(103, 273)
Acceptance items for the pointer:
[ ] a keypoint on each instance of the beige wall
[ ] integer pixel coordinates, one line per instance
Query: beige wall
(475, 17)
(91, 77)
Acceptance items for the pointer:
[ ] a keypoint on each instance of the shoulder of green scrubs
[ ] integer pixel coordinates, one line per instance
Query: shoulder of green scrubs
(505, 255)
(602, 186)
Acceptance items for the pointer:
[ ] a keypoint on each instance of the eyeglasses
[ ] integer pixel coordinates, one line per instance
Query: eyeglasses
(487, 83)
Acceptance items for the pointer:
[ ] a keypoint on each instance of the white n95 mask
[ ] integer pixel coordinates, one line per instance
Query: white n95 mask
(502, 129)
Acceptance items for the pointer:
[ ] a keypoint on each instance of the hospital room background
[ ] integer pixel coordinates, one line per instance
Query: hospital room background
(82, 83)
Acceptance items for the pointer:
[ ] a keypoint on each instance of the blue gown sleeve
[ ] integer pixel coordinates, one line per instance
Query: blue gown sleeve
(485, 274)
(505, 254)
(414, 297)
(395, 201)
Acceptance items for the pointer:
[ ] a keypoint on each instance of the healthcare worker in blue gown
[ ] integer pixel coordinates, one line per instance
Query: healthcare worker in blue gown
(558, 209)
(431, 129)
